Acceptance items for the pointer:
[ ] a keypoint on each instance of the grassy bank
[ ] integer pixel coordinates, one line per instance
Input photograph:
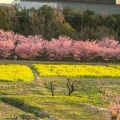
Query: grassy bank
(25, 99)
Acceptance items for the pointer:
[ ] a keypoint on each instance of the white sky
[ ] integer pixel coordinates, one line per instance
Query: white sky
(6, 1)
(118, 1)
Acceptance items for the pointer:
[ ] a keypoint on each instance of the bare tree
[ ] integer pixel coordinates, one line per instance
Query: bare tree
(37, 22)
(50, 86)
(71, 85)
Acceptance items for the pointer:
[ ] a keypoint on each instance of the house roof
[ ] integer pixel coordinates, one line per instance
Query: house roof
(77, 1)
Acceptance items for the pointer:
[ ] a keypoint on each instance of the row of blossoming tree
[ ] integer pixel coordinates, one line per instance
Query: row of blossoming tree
(62, 48)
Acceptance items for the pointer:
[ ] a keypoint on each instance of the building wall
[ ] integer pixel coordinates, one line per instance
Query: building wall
(97, 8)
(36, 4)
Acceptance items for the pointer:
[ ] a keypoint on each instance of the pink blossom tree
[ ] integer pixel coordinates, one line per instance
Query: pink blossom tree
(56, 49)
(59, 48)
(9, 35)
(108, 43)
(5, 48)
(85, 50)
(117, 52)
(109, 49)
(30, 47)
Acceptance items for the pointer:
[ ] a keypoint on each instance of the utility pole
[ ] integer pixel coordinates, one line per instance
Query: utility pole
(82, 19)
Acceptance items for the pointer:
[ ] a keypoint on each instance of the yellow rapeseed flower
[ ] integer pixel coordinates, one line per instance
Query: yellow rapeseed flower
(14, 72)
(93, 71)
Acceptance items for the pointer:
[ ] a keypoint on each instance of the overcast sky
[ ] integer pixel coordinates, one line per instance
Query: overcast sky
(6, 1)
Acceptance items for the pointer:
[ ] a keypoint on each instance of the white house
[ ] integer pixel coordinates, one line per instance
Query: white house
(29, 3)
(36, 4)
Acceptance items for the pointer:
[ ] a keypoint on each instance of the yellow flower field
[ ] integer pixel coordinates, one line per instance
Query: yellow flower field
(15, 72)
(97, 71)
(115, 66)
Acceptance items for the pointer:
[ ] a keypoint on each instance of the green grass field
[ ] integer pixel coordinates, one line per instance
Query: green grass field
(23, 100)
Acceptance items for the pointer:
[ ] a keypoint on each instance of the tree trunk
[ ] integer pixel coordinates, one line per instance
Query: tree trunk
(52, 88)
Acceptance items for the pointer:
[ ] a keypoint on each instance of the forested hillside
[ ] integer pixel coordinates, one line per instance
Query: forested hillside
(51, 23)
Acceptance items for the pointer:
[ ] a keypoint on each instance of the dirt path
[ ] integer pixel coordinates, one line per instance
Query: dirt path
(29, 63)
(39, 81)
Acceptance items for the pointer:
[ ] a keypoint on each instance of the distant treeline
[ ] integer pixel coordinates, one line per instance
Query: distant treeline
(51, 23)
